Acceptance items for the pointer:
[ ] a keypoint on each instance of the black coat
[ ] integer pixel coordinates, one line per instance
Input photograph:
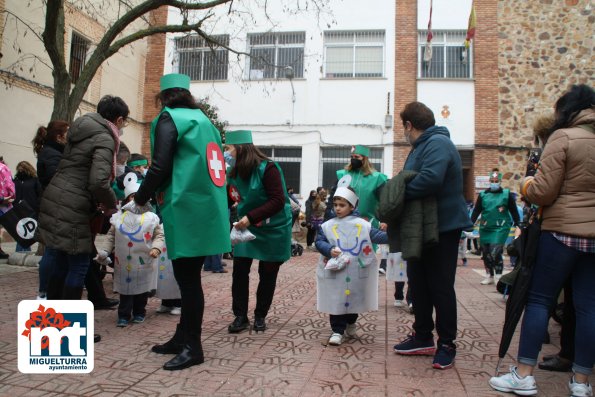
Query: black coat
(47, 162)
(29, 189)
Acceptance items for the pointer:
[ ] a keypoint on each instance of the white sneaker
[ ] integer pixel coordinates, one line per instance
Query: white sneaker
(512, 382)
(351, 330)
(164, 309)
(336, 339)
(487, 281)
(411, 308)
(176, 311)
(398, 303)
(381, 270)
(579, 389)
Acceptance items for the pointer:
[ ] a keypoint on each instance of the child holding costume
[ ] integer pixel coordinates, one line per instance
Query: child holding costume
(137, 240)
(347, 273)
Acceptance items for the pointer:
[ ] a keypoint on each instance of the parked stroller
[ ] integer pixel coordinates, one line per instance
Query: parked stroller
(296, 248)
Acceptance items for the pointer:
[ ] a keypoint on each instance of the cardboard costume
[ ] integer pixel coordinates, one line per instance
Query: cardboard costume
(495, 219)
(353, 289)
(194, 198)
(167, 286)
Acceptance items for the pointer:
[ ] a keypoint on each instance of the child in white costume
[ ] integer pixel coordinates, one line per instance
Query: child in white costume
(137, 240)
(353, 289)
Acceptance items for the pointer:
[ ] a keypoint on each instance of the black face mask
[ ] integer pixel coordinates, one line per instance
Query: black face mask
(356, 164)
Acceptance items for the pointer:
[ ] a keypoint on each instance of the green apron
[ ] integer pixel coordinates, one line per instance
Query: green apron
(273, 235)
(365, 187)
(193, 202)
(495, 219)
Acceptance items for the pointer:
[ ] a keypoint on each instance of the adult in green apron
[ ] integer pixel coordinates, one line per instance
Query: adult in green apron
(496, 207)
(188, 174)
(361, 176)
(257, 185)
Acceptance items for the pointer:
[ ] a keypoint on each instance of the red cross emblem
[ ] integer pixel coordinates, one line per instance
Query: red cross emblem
(215, 164)
(234, 194)
(367, 250)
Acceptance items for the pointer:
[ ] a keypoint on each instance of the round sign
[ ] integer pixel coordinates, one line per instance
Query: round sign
(345, 181)
(216, 164)
(26, 228)
(234, 194)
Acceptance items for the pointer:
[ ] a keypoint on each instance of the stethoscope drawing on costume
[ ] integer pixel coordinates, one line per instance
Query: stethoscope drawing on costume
(357, 248)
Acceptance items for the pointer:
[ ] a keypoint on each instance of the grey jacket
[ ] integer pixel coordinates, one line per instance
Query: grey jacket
(81, 182)
(416, 227)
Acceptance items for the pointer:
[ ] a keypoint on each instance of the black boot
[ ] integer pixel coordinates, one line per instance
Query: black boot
(173, 346)
(72, 293)
(96, 338)
(239, 324)
(191, 355)
(259, 324)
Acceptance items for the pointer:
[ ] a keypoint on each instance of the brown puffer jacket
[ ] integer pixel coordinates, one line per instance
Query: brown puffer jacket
(81, 182)
(565, 182)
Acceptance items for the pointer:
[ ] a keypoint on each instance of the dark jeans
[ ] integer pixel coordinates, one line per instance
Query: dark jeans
(70, 269)
(213, 263)
(171, 302)
(94, 284)
(492, 257)
(134, 304)
(568, 324)
(267, 272)
(339, 321)
(555, 263)
(432, 280)
(310, 236)
(45, 271)
(399, 289)
(187, 273)
(473, 241)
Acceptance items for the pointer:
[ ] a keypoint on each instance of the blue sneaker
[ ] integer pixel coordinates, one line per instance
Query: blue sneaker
(122, 322)
(414, 347)
(138, 319)
(444, 357)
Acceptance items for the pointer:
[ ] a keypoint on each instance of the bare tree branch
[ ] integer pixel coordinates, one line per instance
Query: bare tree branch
(24, 23)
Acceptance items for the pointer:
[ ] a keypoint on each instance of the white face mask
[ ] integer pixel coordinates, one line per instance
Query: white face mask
(120, 169)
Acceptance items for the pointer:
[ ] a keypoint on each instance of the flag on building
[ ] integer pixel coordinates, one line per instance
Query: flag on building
(428, 46)
(470, 34)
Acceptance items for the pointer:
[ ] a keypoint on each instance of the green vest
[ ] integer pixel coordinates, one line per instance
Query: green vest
(273, 235)
(495, 219)
(365, 188)
(193, 202)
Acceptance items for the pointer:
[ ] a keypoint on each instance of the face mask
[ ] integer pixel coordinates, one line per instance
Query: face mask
(356, 164)
(494, 186)
(229, 159)
(120, 169)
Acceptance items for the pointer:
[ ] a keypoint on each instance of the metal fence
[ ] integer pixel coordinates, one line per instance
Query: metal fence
(271, 53)
(202, 60)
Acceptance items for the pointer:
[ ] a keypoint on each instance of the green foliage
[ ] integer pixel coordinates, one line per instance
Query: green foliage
(211, 112)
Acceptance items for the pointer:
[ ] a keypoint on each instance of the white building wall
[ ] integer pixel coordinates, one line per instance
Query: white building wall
(326, 112)
(452, 98)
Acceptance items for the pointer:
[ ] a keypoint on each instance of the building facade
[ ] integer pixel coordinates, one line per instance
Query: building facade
(26, 95)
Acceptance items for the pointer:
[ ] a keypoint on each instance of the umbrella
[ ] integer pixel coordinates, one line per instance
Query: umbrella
(520, 289)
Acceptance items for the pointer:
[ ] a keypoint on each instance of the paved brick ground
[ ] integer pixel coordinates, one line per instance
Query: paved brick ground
(289, 359)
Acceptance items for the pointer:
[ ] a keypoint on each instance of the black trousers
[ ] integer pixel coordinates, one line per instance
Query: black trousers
(187, 273)
(310, 236)
(432, 280)
(133, 304)
(339, 321)
(240, 286)
(492, 257)
(94, 284)
(399, 289)
(171, 302)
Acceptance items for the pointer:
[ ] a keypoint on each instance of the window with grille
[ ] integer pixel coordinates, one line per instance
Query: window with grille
(271, 53)
(449, 58)
(336, 158)
(354, 54)
(203, 60)
(290, 161)
(79, 46)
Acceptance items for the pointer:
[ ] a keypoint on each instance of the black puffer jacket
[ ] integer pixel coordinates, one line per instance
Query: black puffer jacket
(27, 188)
(47, 161)
(81, 182)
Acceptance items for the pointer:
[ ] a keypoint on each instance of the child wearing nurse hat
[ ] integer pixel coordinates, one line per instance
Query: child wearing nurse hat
(350, 288)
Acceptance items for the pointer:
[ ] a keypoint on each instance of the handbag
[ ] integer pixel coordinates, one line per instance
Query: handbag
(20, 222)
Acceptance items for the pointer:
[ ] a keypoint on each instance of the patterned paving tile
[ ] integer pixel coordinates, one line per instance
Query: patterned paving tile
(289, 359)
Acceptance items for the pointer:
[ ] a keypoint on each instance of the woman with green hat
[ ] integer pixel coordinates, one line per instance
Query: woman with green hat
(257, 185)
(188, 174)
(361, 176)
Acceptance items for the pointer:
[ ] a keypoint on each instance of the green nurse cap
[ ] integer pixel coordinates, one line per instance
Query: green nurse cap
(362, 150)
(238, 137)
(175, 80)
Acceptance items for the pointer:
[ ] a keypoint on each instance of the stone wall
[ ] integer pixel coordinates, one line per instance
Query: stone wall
(544, 47)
